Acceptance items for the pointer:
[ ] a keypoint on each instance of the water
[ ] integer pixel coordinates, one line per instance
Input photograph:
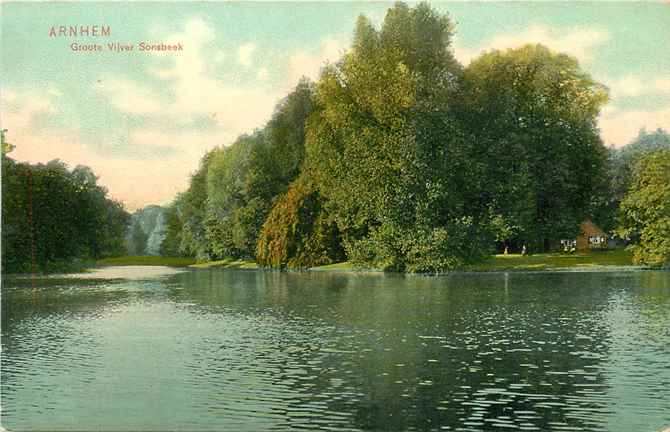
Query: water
(133, 349)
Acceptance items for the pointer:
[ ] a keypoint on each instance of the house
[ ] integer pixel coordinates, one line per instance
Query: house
(590, 237)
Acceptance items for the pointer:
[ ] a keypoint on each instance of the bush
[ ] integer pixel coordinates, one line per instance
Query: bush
(420, 249)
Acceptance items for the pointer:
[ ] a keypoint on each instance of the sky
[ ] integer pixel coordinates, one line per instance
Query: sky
(142, 120)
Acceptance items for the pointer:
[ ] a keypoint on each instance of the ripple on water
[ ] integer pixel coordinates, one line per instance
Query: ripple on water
(250, 351)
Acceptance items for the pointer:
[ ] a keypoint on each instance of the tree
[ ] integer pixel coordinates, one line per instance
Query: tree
(17, 231)
(532, 114)
(138, 240)
(645, 142)
(227, 170)
(645, 211)
(193, 240)
(620, 167)
(298, 233)
(170, 246)
(383, 147)
(405, 159)
(52, 216)
(6, 146)
(244, 178)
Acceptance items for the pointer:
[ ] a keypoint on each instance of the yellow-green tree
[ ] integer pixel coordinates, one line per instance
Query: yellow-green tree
(383, 147)
(645, 210)
(298, 233)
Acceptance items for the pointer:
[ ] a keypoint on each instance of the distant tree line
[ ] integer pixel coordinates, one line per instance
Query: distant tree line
(53, 216)
(146, 231)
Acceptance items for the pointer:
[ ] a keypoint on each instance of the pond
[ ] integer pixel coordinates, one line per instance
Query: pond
(163, 349)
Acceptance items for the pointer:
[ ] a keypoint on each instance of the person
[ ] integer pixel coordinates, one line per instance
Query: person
(523, 250)
(505, 250)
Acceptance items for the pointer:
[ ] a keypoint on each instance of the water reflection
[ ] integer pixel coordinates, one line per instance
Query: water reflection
(244, 350)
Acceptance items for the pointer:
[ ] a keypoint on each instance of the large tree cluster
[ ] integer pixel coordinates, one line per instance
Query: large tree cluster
(52, 215)
(401, 158)
(233, 192)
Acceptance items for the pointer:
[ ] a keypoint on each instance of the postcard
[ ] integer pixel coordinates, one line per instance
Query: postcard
(250, 216)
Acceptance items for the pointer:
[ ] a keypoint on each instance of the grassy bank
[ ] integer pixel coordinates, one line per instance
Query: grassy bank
(146, 261)
(511, 262)
(77, 265)
(551, 261)
(343, 266)
(517, 262)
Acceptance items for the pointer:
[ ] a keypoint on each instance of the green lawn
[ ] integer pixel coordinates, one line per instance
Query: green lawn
(146, 261)
(227, 263)
(511, 262)
(548, 261)
(343, 266)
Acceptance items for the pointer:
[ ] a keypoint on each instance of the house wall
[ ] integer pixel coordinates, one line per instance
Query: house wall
(587, 230)
(582, 242)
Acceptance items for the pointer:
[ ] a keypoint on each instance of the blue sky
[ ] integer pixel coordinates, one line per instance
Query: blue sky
(142, 120)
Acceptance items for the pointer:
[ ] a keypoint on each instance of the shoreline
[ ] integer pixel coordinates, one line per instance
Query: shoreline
(351, 271)
(590, 262)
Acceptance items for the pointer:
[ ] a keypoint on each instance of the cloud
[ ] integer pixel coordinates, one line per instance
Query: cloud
(55, 91)
(263, 74)
(619, 127)
(20, 111)
(191, 144)
(192, 91)
(309, 63)
(196, 89)
(662, 84)
(245, 52)
(128, 96)
(219, 56)
(578, 42)
(634, 86)
(135, 181)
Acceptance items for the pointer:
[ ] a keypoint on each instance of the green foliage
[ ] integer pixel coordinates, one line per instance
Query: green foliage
(170, 246)
(406, 158)
(192, 215)
(137, 244)
(645, 211)
(532, 114)
(420, 249)
(52, 216)
(6, 146)
(621, 164)
(228, 199)
(383, 147)
(226, 234)
(644, 143)
(298, 233)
